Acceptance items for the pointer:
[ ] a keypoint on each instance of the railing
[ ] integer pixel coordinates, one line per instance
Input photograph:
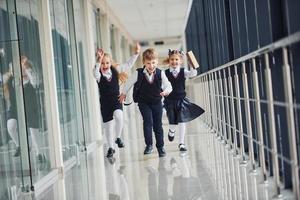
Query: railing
(251, 106)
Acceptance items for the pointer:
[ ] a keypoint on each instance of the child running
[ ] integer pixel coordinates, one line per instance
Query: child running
(108, 83)
(150, 85)
(178, 107)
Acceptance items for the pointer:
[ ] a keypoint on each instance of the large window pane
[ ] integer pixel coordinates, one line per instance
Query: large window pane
(33, 86)
(81, 45)
(64, 77)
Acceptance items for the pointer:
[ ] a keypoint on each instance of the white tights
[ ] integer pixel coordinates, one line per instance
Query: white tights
(108, 127)
(12, 128)
(181, 131)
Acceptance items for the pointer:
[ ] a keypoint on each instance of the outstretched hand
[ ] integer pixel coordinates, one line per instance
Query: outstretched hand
(99, 54)
(137, 48)
(122, 98)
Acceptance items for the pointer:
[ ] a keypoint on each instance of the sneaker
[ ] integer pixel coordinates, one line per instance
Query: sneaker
(110, 153)
(148, 149)
(161, 152)
(171, 135)
(18, 152)
(182, 147)
(120, 143)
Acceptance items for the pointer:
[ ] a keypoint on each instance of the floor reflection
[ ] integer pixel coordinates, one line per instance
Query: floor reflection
(133, 175)
(116, 184)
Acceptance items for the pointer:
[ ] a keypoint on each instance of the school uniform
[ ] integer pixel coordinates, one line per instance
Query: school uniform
(109, 91)
(179, 108)
(110, 107)
(149, 101)
(31, 99)
(32, 110)
(11, 104)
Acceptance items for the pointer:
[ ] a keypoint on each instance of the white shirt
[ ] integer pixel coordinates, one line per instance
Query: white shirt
(165, 86)
(187, 74)
(121, 68)
(32, 77)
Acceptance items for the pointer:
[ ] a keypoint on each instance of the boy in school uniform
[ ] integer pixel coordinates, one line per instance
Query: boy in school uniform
(150, 85)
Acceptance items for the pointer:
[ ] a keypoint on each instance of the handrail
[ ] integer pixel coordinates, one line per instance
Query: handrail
(248, 123)
(271, 47)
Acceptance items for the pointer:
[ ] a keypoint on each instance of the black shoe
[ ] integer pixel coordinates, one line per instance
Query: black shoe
(182, 147)
(110, 153)
(161, 152)
(18, 152)
(120, 143)
(171, 135)
(148, 149)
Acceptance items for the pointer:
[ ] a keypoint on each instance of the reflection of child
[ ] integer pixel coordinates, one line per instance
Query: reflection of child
(178, 107)
(158, 181)
(108, 78)
(152, 84)
(184, 181)
(117, 186)
(30, 83)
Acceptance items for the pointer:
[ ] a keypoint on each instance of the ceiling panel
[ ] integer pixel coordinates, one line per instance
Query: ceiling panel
(146, 19)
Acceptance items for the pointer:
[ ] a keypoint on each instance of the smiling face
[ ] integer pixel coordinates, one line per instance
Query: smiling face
(150, 65)
(105, 63)
(175, 60)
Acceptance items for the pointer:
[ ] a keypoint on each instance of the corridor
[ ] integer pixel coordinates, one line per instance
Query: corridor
(71, 71)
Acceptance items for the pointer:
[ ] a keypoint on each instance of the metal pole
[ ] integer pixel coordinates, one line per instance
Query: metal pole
(222, 117)
(228, 128)
(239, 111)
(272, 128)
(217, 95)
(291, 121)
(248, 116)
(232, 113)
(259, 120)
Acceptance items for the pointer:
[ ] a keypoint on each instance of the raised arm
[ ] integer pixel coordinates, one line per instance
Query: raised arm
(96, 70)
(130, 62)
(190, 73)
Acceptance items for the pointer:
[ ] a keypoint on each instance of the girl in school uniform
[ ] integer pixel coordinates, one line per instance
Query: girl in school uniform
(179, 109)
(108, 78)
(30, 85)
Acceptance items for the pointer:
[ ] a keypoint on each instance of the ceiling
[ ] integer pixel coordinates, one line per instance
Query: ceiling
(150, 21)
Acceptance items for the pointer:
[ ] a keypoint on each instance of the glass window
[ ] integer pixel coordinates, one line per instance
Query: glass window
(20, 56)
(33, 86)
(64, 77)
(10, 150)
(96, 28)
(81, 45)
(112, 42)
(123, 48)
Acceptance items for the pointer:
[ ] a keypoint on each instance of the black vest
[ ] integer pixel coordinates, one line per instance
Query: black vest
(109, 88)
(178, 84)
(148, 92)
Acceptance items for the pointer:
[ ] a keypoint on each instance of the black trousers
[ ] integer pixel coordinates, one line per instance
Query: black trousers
(152, 119)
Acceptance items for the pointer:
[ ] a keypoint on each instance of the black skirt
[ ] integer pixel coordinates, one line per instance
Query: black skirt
(108, 105)
(181, 110)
